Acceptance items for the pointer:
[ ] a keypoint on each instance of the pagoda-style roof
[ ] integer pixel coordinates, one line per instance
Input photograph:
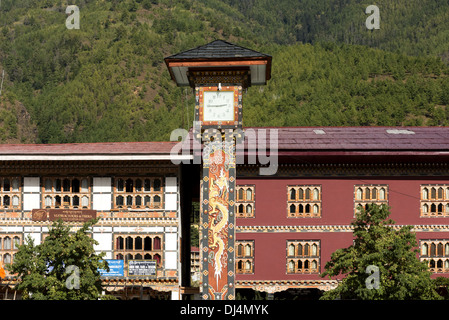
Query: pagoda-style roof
(221, 55)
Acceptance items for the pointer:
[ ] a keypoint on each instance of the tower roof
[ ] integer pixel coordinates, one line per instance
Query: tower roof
(219, 54)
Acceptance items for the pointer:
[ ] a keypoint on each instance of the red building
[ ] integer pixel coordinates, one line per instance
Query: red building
(289, 223)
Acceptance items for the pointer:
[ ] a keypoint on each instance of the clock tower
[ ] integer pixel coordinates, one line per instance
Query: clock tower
(218, 72)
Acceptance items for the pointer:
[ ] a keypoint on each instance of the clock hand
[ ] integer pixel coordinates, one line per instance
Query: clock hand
(217, 105)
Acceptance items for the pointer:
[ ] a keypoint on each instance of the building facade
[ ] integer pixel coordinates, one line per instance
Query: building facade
(133, 188)
(288, 222)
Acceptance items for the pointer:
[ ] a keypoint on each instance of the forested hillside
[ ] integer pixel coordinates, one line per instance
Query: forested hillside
(107, 80)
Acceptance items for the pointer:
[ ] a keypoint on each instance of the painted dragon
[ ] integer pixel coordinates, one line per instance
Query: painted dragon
(217, 192)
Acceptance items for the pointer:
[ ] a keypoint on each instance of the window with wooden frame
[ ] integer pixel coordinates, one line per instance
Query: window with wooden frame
(434, 200)
(436, 254)
(245, 201)
(138, 193)
(10, 193)
(9, 245)
(244, 259)
(366, 194)
(66, 193)
(303, 256)
(138, 247)
(304, 201)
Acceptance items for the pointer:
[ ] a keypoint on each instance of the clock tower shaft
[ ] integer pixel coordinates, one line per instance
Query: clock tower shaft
(217, 67)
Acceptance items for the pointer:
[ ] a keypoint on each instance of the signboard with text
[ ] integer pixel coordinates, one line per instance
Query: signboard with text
(142, 268)
(116, 268)
(71, 215)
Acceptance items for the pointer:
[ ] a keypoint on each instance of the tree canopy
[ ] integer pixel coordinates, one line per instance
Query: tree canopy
(392, 251)
(64, 266)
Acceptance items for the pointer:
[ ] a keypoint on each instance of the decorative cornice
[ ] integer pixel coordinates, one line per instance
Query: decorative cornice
(349, 169)
(330, 228)
(272, 286)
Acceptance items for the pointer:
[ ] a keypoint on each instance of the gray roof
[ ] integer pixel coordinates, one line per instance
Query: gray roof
(218, 49)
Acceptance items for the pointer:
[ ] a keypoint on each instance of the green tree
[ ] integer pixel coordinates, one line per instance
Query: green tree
(63, 267)
(402, 276)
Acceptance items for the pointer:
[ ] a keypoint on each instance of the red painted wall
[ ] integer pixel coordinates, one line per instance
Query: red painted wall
(337, 209)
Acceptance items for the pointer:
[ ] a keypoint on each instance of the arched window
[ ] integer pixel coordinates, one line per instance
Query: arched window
(240, 194)
(240, 250)
(147, 246)
(382, 194)
(129, 243)
(433, 193)
(48, 185)
(425, 194)
(129, 185)
(316, 194)
(359, 194)
(7, 243)
(15, 184)
(138, 243)
(119, 201)
(424, 249)
(120, 185)
(138, 201)
(307, 194)
(75, 185)
(119, 243)
(291, 250)
(138, 185)
(76, 201)
(248, 250)
(84, 185)
(157, 185)
(440, 193)
(157, 243)
(147, 185)
(157, 201)
(292, 194)
(6, 185)
(374, 194)
(249, 208)
(66, 185)
(147, 201)
(292, 208)
(15, 201)
(249, 194)
(85, 201)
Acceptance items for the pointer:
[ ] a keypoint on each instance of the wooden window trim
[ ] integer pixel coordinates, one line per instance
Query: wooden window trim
(242, 259)
(302, 202)
(140, 197)
(434, 205)
(242, 203)
(303, 261)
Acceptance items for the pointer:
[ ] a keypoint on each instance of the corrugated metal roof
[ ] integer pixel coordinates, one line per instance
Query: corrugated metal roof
(355, 138)
(119, 148)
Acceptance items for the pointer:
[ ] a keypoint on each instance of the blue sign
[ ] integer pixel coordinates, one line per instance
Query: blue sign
(116, 268)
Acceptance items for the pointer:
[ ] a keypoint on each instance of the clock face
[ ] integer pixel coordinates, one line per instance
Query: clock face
(218, 106)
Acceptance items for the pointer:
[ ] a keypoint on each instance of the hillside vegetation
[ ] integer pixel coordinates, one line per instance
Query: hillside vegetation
(107, 81)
